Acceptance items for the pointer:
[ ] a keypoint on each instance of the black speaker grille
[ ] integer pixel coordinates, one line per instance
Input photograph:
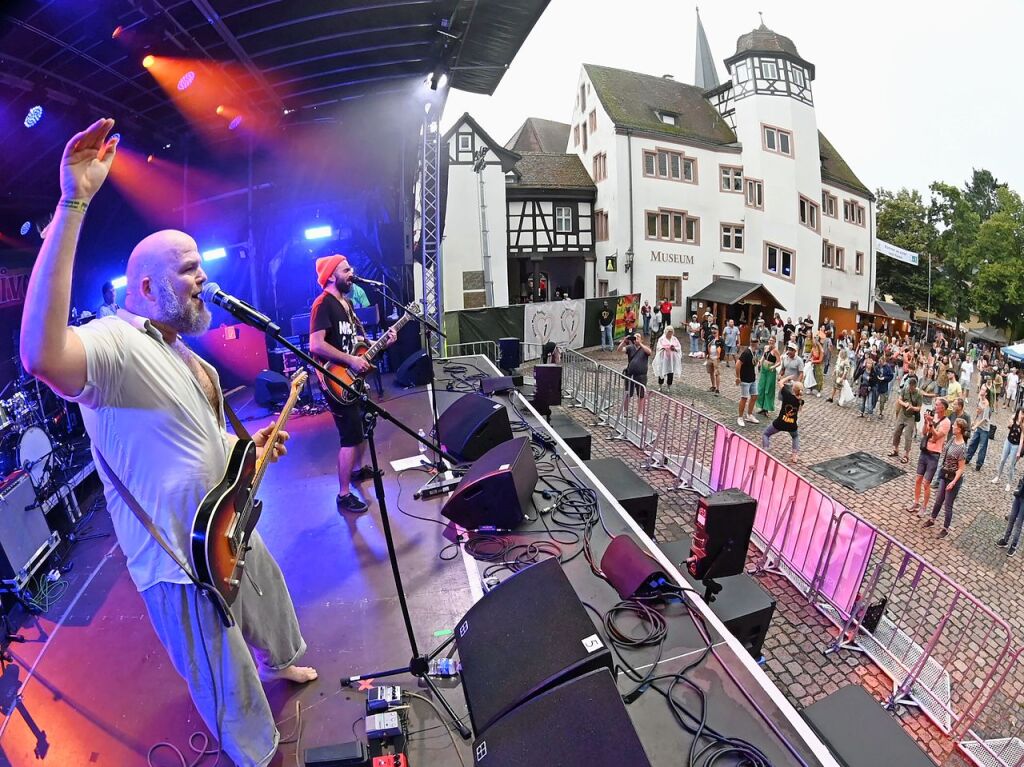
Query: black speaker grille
(527, 635)
(580, 722)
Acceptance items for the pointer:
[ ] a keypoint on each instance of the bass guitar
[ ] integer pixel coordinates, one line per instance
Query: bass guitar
(369, 353)
(228, 514)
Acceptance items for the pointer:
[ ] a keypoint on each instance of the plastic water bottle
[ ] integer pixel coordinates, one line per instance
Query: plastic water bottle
(444, 667)
(423, 435)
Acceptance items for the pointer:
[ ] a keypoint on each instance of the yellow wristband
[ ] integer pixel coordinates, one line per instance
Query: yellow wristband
(79, 205)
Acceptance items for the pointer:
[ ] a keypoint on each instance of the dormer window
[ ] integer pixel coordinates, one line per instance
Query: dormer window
(769, 70)
(465, 142)
(669, 118)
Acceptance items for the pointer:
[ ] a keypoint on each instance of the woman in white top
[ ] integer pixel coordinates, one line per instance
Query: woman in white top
(668, 358)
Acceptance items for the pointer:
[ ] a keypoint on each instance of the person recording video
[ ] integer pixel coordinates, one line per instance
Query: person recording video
(638, 355)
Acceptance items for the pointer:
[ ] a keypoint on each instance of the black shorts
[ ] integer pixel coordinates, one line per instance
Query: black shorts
(349, 420)
(636, 386)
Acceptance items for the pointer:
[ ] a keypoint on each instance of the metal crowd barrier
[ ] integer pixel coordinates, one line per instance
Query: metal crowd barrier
(994, 737)
(941, 646)
(486, 348)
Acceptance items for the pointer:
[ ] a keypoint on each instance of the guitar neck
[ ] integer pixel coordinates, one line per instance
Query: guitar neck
(261, 466)
(379, 343)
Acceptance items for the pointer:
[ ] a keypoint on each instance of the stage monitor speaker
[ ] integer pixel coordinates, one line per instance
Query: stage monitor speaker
(721, 534)
(509, 355)
(580, 722)
(548, 390)
(630, 570)
(527, 635)
(416, 370)
(496, 491)
(500, 384)
(24, 534)
(472, 425)
(270, 389)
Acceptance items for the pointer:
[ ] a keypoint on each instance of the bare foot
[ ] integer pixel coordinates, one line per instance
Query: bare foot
(297, 674)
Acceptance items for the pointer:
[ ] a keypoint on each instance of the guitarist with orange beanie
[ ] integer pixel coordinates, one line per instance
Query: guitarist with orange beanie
(155, 414)
(334, 334)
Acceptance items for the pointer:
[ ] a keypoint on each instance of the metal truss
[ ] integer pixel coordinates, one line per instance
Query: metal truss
(430, 228)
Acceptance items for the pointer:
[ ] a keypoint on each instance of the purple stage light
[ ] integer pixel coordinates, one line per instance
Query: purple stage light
(235, 122)
(35, 114)
(186, 80)
(26, 228)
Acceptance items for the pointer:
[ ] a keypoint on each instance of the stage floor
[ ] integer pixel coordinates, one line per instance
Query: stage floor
(102, 691)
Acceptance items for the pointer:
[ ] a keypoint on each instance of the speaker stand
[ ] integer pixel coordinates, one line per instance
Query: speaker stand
(419, 664)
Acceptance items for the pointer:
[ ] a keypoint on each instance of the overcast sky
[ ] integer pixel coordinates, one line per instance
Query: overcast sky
(907, 91)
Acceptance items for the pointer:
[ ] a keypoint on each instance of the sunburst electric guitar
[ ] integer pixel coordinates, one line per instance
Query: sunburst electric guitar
(229, 512)
(369, 353)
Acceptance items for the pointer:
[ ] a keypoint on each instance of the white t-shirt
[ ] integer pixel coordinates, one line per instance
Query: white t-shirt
(145, 411)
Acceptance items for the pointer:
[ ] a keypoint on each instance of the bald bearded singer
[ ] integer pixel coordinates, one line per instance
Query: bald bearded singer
(155, 413)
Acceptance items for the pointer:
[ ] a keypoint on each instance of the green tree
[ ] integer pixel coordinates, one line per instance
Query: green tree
(902, 219)
(957, 223)
(982, 193)
(998, 286)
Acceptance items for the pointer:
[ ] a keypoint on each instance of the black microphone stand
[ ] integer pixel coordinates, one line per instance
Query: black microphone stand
(419, 665)
(438, 483)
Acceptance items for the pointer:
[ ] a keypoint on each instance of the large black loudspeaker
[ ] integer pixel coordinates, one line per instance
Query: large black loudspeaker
(509, 355)
(496, 491)
(472, 425)
(548, 391)
(580, 722)
(721, 534)
(525, 636)
(270, 389)
(416, 370)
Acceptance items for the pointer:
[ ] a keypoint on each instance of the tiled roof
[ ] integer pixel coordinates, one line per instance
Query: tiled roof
(539, 135)
(764, 39)
(541, 170)
(835, 170)
(633, 100)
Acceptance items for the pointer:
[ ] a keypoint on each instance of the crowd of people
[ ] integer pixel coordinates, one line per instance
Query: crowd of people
(953, 399)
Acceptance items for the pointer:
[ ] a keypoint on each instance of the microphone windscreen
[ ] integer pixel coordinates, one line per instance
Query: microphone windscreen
(209, 291)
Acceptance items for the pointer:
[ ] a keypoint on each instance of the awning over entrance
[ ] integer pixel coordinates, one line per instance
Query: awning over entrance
(891, 310)
(729, 291)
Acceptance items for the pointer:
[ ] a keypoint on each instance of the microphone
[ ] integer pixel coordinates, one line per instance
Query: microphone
(212, 294)
(364, 281)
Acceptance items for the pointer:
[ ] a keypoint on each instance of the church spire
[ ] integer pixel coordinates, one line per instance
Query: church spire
(706, 76)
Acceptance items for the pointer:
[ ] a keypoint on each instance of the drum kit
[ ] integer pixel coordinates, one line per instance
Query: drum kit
(35, 428)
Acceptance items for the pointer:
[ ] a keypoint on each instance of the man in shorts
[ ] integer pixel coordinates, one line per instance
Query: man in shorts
(746, 379)
(638, 355)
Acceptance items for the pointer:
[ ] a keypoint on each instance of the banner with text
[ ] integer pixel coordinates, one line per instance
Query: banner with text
(558, 321)
(892, 251)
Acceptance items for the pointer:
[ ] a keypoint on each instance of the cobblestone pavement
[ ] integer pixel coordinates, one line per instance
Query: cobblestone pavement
(793, 649)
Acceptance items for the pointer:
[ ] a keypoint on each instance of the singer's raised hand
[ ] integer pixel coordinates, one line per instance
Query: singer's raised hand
(86, 161)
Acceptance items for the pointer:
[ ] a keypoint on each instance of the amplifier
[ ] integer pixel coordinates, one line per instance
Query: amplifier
(25, 539)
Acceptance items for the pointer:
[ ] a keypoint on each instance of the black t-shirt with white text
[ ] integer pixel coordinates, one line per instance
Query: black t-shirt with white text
(605, 318)
(336, 318)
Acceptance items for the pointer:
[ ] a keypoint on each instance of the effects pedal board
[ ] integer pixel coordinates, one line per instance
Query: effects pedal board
(381, 726)
(391, 760)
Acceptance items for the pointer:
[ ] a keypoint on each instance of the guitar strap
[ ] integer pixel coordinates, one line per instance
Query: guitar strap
(126, 495)
(236, 424)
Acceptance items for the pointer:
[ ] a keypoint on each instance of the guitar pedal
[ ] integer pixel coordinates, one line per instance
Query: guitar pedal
(391, 760)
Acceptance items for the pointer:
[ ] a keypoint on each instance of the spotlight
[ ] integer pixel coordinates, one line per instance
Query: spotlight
(235, 122)
(117, 32)
(220, 109)
(149, 158)
(319, 232)
(26, 228)
(35, 114)
(149, 61)
(438, 80)
(119, 282)
(214, 253)
(186, 80)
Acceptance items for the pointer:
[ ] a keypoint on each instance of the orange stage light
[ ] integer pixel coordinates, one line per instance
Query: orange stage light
(220, 109)
(117, 32)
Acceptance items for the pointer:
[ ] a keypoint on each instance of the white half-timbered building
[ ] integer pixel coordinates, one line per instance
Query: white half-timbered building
(705, 182)
(520, 215)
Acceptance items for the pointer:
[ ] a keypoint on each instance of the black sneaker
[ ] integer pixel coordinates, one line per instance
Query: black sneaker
(351, 502)
(364, 473)
(1011, 551)
(1001, 543)
(929, 523)
(943, 532)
